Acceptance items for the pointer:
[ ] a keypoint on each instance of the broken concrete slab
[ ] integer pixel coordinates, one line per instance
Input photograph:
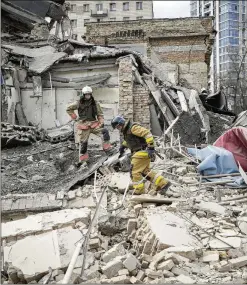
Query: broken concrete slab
(242, 224)
(116, 250)
(232, 241)
(211, 207)
(80, 202)
(238, 262)
(120, 180)
(170, 230)
(34, 262)
(44, 222)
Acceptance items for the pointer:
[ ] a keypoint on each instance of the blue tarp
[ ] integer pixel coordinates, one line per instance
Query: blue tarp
(217, 160)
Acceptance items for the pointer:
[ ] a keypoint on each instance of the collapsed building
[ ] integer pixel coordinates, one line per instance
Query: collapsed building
(51, 209)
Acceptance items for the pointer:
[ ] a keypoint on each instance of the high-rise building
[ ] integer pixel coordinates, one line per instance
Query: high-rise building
(100, 11)
(230, 22)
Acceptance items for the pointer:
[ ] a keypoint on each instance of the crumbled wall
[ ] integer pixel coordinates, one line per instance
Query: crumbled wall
(184, 42)
(133, 99)
(141, 106)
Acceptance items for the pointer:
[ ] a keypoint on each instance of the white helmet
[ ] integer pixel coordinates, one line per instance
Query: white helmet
(87, 90)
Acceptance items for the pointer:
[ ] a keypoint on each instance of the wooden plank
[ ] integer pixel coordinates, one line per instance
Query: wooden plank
(169, 117)
(154, 199)
(182, 101)
(169, 102)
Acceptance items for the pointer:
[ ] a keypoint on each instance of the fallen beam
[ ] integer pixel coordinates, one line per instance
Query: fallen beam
(155, 199)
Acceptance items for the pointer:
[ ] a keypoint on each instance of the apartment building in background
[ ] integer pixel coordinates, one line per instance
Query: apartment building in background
(230, 22)
(82, 12)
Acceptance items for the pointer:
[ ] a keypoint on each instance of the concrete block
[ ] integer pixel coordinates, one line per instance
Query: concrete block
(60, 195)
(166, 265)
(185, 279)
(130, 262)
(116, 250)
(131, 226)
(134, 280)
(123, 279)
(140, 275)
(238, 262)
(212, 207)
(123, 272)
(178, 271)
(94, 243)
(111, 268)
(44, 222)
(153, 274)
(185, 251)
(137, 209)
(209, 256)
(71, 195)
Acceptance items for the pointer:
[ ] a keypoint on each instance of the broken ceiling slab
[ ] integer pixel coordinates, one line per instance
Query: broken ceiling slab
(44, 222)
(59, 246)
(30, 52)
(42, 63)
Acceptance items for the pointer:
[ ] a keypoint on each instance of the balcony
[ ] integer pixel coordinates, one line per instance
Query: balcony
(100, 13)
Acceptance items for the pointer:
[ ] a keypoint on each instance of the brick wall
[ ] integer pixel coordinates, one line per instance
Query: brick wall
(133, 99)
(125, 84)
(141, 107)
(171, 41)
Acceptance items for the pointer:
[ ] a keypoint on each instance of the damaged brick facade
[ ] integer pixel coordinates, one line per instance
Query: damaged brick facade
(183, 43)
(133, 98)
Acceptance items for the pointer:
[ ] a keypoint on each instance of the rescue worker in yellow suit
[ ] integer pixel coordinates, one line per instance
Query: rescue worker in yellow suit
(141, 143)
(91, 120)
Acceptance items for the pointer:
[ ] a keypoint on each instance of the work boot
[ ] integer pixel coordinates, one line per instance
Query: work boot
(164, 189)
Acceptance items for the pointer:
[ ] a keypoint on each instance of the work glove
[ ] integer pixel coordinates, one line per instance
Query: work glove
(121, 151)
(151, 153)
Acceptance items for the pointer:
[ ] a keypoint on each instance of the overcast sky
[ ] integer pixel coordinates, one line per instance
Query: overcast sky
(171, 9)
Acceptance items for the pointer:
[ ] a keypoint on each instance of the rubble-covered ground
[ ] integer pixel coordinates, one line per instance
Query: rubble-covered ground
(197, 233)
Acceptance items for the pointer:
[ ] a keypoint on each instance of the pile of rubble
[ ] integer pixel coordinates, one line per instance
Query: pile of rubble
(196, 234)
(15, 135)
